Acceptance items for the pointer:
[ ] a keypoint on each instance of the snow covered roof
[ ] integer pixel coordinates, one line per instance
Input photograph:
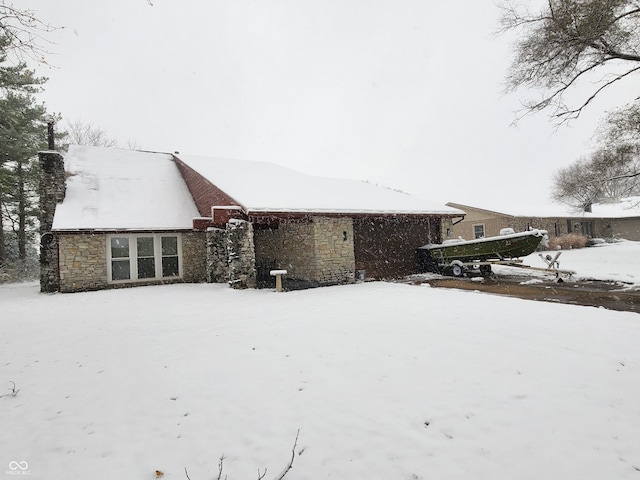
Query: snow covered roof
(515, 210)
(113, 189)
(267, 187)
(623, 208)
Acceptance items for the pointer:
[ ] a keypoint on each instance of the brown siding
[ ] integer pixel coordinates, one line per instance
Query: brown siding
(492, 223)
(385, 247)
(554, 226)
(627, 228)
(204, 193)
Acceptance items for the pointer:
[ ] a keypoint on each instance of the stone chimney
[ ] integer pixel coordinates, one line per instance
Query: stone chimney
(51, 190)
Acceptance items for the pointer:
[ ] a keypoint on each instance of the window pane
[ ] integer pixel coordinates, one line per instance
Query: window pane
(146, 267)
(170, 267)
(120, 270)
(119, 247)
(169, 246)
(145, 246)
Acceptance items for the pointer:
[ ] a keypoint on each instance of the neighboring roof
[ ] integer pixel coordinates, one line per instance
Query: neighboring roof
(262, 187)
(113, 189)
(625, 208)
(534, 210)
(628, 207)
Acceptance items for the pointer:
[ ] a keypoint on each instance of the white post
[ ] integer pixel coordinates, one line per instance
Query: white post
(278, 274)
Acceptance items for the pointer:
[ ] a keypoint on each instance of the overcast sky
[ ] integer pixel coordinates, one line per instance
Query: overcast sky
(404, 93)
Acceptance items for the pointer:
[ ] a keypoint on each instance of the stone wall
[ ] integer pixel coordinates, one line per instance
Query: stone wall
(83, 263)
(334, 258)
(241, 254)
(217, 261)
(51, 191)
(287, 245)
(194, 257)
(446, 229)
(314, 250)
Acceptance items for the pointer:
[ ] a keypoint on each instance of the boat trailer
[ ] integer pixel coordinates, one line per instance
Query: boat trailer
(458, 268)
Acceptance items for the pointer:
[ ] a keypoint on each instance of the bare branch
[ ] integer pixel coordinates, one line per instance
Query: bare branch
(293, 456)
(13, 393)
(566, 41)
(24, 33)
(632, 12)
(575, 113)
(263, 474)
(222, 457)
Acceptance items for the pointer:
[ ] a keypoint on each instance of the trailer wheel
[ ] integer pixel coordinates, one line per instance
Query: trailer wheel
(485, 270)
(457, 270)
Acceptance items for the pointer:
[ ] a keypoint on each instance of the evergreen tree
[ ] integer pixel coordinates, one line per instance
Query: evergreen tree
(22, 135)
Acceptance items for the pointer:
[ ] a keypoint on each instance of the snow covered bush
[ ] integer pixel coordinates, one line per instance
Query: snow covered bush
(568, 242)
(12, 267)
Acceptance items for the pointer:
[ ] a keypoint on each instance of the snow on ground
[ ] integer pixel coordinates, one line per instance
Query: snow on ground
(384, 381)
(615, 262)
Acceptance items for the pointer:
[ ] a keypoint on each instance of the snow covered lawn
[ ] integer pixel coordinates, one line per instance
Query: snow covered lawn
(384, 381)
(615, 262)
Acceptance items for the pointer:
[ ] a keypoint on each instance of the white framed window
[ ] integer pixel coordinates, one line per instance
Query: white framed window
(139, 257)
(478, 231)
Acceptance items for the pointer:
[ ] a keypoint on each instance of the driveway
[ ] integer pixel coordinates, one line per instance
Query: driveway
(610, 295)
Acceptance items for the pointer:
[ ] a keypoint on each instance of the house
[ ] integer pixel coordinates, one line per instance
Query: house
(114, 218)
(619, 218)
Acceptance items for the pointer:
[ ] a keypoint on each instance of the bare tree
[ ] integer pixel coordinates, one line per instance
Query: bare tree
(622, 126)
(82, 133)
(24, 33)
(607, 173)
(79, 132)
(572, 42)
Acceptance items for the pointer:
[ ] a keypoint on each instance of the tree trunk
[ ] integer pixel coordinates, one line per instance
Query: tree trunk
(22, 215)
(3, 252)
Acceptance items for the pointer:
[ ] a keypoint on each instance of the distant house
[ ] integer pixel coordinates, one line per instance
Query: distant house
(115, 218)
(614, 219)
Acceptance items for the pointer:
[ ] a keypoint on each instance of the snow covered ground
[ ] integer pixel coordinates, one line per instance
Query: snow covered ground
(615, 262)
(384, 381)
